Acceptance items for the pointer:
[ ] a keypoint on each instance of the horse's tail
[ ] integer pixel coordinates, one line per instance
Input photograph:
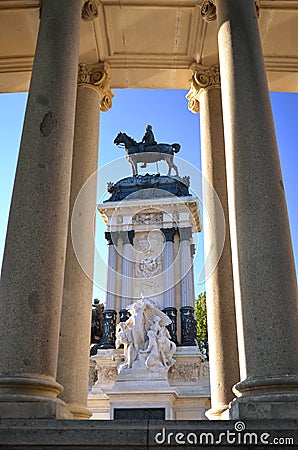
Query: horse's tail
(176, 147)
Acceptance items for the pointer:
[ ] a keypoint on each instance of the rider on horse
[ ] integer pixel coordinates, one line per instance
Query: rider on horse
(148, 140)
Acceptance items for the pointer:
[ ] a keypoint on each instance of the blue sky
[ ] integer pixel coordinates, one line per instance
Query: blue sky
(166, 111)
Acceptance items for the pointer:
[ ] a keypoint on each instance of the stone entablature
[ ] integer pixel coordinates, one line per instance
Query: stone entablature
(177, 212)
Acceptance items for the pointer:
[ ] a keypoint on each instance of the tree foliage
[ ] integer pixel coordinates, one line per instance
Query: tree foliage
(202, 330)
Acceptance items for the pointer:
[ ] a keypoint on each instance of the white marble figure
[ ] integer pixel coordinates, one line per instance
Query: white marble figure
(145, 338)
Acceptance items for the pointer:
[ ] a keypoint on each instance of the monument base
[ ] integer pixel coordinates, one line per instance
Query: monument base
(183, 392)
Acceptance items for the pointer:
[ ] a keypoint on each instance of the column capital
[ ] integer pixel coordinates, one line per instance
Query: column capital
(169, 233)
(208, 10)
(185, 233)
(112, 237)
(90, 10)
(202, 78)
(95, 76)
(127, 236)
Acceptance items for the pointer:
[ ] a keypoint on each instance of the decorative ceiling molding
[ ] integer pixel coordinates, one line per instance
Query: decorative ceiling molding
(16, 64)
(12, 5)
(291, 5)
(149, 43)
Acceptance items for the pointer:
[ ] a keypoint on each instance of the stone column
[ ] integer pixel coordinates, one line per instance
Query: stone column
(187, 288)
(169, 281)
(187, 310)
(263, 263)
(109, 314)
(205, 96)
(112, 238)
(74, 342)
(33, 265)
(127, 271)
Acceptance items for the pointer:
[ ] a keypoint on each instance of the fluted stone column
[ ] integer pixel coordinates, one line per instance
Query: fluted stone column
(263, 263)
(74, 342)
(109, 314)
(205, 96)
(187, 288)
(127, 269)
(169, 281)
(33, 265)
(112, 238)
(187, 310)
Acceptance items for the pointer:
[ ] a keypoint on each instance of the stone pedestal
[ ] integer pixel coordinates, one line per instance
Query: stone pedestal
(33, 265)
(184, 393)
(263, 264)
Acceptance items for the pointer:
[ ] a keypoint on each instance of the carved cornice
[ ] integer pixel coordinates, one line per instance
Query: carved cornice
(202, 78)
(90, 10)
(96, 76)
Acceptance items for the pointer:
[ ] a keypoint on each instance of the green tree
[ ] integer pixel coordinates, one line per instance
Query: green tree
(202, 330)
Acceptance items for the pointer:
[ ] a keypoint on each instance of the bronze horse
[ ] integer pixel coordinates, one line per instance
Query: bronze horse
(137, 153)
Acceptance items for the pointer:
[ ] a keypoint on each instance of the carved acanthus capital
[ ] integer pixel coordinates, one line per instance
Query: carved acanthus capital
(202, 78)
(90, 10)
(208, 10)
(96, 76)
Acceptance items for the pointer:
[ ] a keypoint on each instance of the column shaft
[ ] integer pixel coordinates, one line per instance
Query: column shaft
(74, 342)
(33, 265)
(169, 275)
(222, 335)
(263, 264)
(186, 263)
(127, 268)
(111, 277)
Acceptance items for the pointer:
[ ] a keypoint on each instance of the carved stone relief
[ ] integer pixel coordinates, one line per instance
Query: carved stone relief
(147, 218)
(148, 261)
(184, 372)
(106, 374)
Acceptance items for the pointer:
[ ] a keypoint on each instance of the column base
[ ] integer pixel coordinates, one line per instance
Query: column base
(265, 398)
(217, 413)
(31, 397)
(14, 409)
(79, 412)
(253, 408)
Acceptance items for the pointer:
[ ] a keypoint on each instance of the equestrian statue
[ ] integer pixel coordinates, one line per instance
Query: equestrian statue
(147, 151)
